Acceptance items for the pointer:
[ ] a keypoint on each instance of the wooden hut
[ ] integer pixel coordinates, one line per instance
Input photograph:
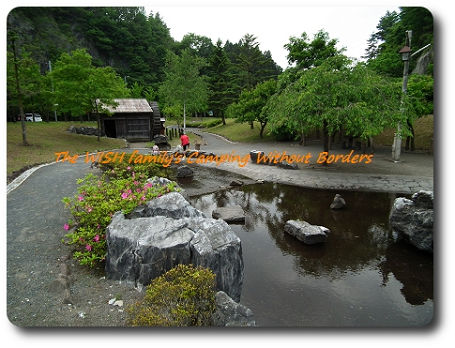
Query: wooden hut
(132, 119)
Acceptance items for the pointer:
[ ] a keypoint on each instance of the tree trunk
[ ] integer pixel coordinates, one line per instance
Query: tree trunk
(262, 129)
(223, 118)
(410, 143)
(19, 97)
(251, 125)
(98, 126)
(325, 137)
(302, 139)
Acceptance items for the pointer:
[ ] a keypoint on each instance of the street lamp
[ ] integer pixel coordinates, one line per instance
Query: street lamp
(405, 56)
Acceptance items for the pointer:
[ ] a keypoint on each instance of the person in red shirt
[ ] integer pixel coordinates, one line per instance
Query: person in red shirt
(185, 140)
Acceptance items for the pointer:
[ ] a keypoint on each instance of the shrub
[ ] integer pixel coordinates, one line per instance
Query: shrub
(184, 296)
(122, 187)
(212, 123)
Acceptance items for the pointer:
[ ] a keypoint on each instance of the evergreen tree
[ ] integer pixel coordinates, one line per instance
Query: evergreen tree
(221, 90)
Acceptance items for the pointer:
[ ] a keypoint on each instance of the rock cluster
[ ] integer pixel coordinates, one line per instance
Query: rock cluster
(85, 130)
(412, 219)
(305, 232)
(168, 231)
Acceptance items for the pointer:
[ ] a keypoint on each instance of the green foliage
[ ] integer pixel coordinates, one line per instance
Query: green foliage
(250, 106)
(419, 97)
(308, 54)
(122, 187)
(183, 296)
(81, 88)
(35, 88)
(383, 45)
(250, 65)
(222, 86)
(125, 38)
(184, 89)
(335, 95)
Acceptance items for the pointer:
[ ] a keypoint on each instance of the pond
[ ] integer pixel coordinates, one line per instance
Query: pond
(360, 277)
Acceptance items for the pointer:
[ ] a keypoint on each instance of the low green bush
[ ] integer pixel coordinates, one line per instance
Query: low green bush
(212, 123)
(122, 187)
(183, 296)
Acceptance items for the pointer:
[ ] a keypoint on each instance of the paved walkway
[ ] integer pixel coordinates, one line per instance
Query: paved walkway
(413, 173)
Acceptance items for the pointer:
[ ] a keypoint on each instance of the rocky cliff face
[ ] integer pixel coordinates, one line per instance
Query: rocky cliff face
(412, 219)
(169, 231)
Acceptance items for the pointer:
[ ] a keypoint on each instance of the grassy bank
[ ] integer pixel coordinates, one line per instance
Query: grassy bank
(240, 132)
(423, 129)
(47, 138)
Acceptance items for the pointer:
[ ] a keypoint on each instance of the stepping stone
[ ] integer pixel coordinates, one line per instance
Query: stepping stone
(232, 215)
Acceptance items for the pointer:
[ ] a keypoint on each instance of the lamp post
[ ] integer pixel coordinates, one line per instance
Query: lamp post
(405, 56)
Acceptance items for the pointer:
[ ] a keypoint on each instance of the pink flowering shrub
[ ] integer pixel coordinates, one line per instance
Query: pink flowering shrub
(98, 199)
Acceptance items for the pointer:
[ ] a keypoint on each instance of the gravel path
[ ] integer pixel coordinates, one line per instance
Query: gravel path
(45, 287)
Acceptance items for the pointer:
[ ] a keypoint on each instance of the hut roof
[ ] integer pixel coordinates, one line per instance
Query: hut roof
(129, 105)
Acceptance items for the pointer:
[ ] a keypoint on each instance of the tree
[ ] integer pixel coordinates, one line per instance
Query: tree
(383, 45)
(250, 106)
(221, 88)
(334, 95)
(418, 102)
(81, 88)
(308, 54)
(184, 89)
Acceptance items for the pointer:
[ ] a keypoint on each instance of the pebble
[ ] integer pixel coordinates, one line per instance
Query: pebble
(118, 303)
(111, 301)
(81, 315)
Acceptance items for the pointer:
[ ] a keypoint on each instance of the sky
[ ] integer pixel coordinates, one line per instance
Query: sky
(273, 25)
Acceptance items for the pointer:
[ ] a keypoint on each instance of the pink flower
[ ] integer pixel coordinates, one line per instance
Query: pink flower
(133, 175)
(80, 198)
(128, 168)
(98, 227)
(148, 185)
(138, 190)
(124, 195)
(81, 239)
(129, 191)
(136, 183)
(66, 227)
(96, 238)
(143, 198)
(88, 247)
(89, 209)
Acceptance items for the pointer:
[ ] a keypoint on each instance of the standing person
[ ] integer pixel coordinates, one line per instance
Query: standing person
(185, 140)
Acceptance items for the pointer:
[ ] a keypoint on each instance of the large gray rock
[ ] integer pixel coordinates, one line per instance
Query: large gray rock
(254, 155)
(287, 165)
(412, 220)
(230, 313)
(305, 232)
(166, 232)
(232, 215)
(184, 172)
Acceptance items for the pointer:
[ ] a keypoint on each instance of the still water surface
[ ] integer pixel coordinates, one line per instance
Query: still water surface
(359, 277)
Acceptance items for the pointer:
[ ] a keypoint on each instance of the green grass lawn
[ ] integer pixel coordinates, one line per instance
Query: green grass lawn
(47, 138)
(240, 132)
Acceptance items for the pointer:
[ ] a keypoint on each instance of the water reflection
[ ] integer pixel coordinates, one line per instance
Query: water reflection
(360, 266)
